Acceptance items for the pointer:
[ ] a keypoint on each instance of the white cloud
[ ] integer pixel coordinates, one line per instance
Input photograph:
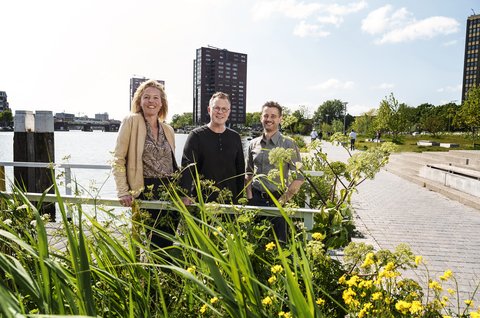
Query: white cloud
(450, 89)
(450, 43)
(331, 19)
(289, 8)
(385, 86)
(331, 14)
(313, 30)
(333, 84)
(401, 26)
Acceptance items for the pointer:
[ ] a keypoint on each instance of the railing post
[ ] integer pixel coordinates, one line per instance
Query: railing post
(3, 184)
(33, 141)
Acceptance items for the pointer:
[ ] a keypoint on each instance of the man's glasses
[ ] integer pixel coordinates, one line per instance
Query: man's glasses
(220, 109)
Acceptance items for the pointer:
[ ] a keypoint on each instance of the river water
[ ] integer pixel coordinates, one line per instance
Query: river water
(78, 147)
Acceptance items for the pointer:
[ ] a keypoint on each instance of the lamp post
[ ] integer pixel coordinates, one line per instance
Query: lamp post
(344, 117)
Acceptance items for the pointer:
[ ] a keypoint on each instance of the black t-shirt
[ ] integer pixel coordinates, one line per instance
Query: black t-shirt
(218, 157)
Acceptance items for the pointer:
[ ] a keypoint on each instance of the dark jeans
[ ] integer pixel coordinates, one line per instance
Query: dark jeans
(352, 144)
(278, 222)
(163, 220)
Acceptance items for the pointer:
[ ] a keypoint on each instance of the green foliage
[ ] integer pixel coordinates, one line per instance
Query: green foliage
(468, 115)
(393, 117)
(6, 117)
(329, 111)
(182, 121)
(252, 119)
(364, 124)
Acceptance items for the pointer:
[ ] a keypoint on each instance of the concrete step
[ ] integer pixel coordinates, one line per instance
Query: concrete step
(407, 166)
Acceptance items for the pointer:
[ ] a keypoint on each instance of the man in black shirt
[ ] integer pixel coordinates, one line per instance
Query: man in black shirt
(217, 152)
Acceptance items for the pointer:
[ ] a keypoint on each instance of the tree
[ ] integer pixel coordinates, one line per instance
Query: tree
(253, 119)
(363, 124)
(6, 118)
(328, 111)
(181, 121)
(393, 117)
(468, 115)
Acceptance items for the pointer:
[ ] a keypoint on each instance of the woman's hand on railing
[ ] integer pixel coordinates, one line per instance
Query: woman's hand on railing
(126, 200)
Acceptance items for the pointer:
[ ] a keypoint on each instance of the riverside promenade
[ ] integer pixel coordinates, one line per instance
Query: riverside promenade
(390, 210)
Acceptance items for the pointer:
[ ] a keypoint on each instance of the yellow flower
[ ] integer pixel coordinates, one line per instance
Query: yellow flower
(446, 316)
(320, 301)
(267, 301)
(213, 300)
(416, 307)
(272, 279)
(342, 279)
(451, 291)
(284, 314)
(448, 273)
(204, 308)
(366, 308)
(377, 296)
(474, 315)
(366, 284)
(348, 296)
(368, 260)
(390, 266)
(352, 281)
(435, 285)
(469, 302)
(277, 269)
(318, 236)
(418, 260)
(403, 306)
(218, 231)
(270, 246)
(191, 269)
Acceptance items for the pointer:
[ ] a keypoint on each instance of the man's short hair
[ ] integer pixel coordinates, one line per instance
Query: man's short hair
(219, 95)
(274, 105)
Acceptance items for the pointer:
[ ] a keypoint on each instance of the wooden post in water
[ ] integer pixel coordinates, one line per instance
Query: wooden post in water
(33, 141)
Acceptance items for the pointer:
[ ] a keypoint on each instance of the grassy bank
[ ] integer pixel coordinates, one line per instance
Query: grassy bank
(408, 143)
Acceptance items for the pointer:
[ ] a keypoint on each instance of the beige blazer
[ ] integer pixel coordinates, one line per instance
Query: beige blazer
(127, 164)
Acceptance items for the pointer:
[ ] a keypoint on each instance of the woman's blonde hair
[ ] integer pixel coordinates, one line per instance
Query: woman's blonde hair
(137, 108)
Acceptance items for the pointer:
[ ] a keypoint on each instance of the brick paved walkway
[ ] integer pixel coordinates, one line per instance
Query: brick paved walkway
(391, 210)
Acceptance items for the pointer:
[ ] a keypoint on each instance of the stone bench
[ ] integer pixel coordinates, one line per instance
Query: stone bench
(427, 143)
(462, 179)
(449, 145)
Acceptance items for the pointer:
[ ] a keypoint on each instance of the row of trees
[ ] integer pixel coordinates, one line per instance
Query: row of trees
(396, 118)
(391, 116)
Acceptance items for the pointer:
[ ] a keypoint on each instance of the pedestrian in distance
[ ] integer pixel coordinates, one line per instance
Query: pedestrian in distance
(215, 152)
(313, 135)
(353, 137)
(144, 158)
(258, 166)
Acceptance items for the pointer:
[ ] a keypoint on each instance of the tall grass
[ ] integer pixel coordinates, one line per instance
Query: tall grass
(218, 266)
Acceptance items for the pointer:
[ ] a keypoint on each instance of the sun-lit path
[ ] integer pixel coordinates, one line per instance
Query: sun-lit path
(391, 210)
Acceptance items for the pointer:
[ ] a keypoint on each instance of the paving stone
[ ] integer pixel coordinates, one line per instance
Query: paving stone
(390, 210)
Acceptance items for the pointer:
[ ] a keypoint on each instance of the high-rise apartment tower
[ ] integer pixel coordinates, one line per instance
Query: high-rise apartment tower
(3, 101)
(471, 67)
(219, 70)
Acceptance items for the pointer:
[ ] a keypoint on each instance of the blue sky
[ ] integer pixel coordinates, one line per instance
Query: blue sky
(78, 56)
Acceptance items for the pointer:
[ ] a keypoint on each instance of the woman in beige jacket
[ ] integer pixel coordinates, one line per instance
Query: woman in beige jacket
(145, 156)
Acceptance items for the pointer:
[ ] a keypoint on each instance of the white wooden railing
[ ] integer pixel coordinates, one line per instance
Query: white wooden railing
(303, 213)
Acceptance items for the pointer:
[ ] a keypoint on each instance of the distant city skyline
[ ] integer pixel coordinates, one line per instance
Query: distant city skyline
(78, 56)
